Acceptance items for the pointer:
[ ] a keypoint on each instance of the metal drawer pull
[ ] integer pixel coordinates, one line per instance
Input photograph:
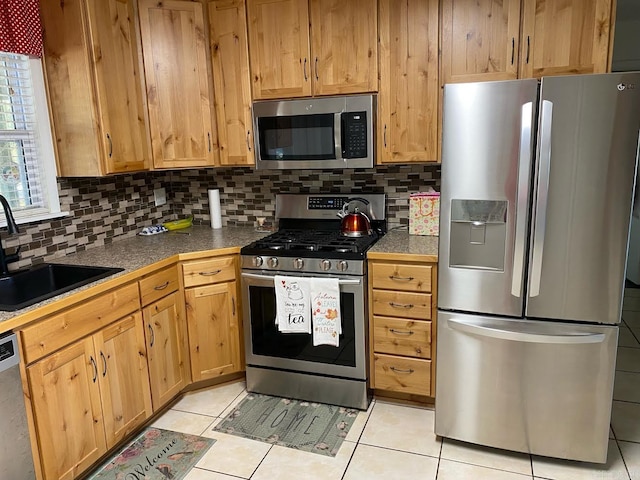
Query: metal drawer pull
(95, 369)
(163, 286)
(401, 332)
(401, 370)
(401, 305)
(209, 274)
(404, 279)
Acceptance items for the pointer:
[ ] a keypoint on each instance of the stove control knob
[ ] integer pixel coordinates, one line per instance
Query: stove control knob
(325, 265)
(257, 261)
(342, 265)
(272, 262)
(298, 263)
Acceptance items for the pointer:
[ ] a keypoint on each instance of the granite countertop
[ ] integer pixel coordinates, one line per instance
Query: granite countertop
(398, 242)
(134, 253)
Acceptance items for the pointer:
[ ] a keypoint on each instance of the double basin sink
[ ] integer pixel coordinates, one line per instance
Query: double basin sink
(23, 288)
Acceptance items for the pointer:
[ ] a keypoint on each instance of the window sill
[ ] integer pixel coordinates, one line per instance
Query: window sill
(34, 218)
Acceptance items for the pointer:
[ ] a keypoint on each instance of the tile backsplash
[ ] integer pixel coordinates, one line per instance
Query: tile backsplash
(103, 209)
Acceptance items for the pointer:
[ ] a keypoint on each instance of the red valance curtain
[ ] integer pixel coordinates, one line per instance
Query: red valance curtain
(20, 30)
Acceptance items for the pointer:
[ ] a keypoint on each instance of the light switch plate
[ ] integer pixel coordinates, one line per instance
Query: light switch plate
(160, 196)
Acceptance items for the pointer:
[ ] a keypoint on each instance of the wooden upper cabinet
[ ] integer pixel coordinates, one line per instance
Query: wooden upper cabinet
(279, 48)
(94, 86)
(409, 87)
(231, 81)
(568, 37)
(480, 40)
(178, 89)
(299, 48)
(344, 46)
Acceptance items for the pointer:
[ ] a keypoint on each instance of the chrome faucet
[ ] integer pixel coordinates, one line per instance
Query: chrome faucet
(12, 228)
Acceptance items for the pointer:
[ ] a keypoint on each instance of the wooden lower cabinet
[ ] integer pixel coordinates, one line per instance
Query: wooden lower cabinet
(165, 333)
(402, 305)
(88, 396)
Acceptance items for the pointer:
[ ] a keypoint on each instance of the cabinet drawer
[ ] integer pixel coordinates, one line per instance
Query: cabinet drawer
(402, 304)
(402, 337)
(63, 328)
(392, 276)
(399, 374)
(210, 270)
(159, 284)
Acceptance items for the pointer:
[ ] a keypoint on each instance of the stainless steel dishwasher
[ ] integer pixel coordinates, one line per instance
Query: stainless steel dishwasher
(16, 462)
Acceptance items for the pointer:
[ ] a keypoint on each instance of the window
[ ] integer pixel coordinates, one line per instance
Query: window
(27, 164)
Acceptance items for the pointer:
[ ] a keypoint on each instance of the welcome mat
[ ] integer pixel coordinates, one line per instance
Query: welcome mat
(312, 427)
(155, 455)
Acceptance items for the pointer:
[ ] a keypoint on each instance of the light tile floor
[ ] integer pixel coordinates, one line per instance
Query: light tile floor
(396, 442)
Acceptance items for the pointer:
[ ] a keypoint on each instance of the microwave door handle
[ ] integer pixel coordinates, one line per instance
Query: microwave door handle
(522, 199)
(337, 137)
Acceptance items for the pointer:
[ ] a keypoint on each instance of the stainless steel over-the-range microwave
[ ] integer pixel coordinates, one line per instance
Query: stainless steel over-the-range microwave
(320, 133)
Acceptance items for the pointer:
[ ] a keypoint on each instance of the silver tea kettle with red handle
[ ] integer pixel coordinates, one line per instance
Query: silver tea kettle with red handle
(355, 223)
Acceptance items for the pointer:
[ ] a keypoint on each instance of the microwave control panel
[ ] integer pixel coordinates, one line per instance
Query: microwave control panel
(354, 134)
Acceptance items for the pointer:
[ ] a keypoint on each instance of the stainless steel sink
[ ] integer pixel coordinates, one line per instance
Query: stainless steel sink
(24, 288)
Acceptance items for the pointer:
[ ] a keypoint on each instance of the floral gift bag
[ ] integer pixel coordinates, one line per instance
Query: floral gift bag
(424, 213)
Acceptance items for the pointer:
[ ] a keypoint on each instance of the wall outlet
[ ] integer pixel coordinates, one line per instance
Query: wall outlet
(160, 196)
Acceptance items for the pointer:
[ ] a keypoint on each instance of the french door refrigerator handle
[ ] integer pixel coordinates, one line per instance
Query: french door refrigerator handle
(519, 336)
(522, 199)
(541, 197)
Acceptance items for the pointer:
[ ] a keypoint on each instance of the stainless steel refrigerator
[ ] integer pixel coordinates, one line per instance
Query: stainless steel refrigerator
(536, 200)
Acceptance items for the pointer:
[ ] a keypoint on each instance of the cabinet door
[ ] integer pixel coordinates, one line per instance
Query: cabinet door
(568, 37)
(279, 48)
(344, 43)
(118, 85)
(214, 337)
(124, 377)
(67, 410)
(480, 40)
(165, 337)
(175, 62)
(409, 88)
(230, 58)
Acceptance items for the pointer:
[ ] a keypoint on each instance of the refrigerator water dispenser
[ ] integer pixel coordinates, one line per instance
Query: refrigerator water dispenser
(478, 234)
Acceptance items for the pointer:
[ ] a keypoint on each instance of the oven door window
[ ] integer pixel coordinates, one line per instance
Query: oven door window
(268, 341)
(297, 137)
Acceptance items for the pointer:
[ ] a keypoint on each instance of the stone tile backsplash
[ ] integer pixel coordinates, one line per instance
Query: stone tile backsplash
(103, 209)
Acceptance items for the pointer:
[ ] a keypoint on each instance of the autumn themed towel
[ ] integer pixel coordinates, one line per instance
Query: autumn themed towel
(293, 311)
(325, 311)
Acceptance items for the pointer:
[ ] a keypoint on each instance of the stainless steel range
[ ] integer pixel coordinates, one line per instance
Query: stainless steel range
(309, 243)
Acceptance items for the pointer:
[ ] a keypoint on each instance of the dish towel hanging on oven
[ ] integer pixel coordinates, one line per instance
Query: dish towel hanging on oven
(293, 310)
(325, 311)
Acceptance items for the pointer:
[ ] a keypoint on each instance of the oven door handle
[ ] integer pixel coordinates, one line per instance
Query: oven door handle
(341, 281)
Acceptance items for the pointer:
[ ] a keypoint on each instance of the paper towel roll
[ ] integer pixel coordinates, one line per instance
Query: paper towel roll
(214, 208)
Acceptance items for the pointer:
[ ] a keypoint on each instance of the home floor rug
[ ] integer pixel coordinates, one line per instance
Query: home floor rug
(155, 455)
(308, 426)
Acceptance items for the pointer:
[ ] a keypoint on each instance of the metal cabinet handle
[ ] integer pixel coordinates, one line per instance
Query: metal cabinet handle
(209, 274)
(110, 145)
(248, 138)
(402, 279)
(513, 49)
(401, 305)
(522, 195)
(153, 335)
(317, 77)
(233, 306)
(104, 362)
(95, 369)
(528, 47)
(401, 370)
(304, 69)
(209, 139)
(162, 287)
(401, 332)
(384, 135)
